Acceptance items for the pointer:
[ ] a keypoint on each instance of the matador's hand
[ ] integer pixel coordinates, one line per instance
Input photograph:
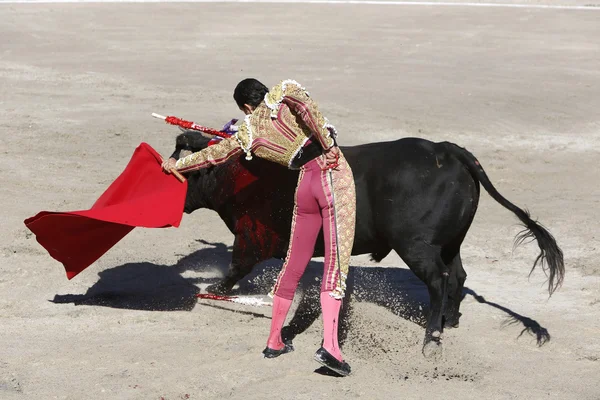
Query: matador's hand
(332, 156)
(168, 165)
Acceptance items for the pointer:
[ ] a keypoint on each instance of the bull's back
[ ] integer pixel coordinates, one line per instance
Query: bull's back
(409, 187)
(403, 187)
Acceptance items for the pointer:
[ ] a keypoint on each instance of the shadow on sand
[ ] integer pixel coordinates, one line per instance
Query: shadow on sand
(530, 326)
(154, 287)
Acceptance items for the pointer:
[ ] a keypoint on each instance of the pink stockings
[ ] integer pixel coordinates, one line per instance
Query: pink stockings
(331, 315)
(331, 311)
(281, 307)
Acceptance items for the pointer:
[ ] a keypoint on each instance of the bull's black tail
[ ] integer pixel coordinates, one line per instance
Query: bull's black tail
(551, 256)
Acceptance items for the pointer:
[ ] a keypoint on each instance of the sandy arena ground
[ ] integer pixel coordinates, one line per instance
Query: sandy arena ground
(517, 87)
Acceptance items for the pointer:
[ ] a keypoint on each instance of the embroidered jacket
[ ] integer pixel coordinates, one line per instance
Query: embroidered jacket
(276, 130)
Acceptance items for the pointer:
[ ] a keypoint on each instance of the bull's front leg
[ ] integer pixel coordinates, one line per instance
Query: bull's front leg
(234, 274)
(245, 256)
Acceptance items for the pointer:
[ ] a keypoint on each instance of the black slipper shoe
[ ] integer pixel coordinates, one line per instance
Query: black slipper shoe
(324, 358)
(271, 353)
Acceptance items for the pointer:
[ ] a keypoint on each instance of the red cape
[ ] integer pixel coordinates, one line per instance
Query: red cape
(143, 195)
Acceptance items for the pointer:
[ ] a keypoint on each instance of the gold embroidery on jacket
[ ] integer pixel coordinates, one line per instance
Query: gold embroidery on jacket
(273, 125)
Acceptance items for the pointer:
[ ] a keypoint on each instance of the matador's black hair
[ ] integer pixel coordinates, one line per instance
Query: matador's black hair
(249, 91)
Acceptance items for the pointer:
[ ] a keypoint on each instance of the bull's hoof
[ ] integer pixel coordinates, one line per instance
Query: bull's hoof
(452, 321)
(221, 288)
(451, 324)
(432, 349)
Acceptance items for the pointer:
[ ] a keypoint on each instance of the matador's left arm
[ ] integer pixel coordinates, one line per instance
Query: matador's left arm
(300, 103)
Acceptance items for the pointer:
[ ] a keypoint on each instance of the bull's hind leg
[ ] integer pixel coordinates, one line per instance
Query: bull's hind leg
(426, 262)
(455, 292)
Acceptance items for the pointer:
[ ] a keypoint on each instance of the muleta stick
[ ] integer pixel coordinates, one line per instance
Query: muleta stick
(245, 300)
(190, 125)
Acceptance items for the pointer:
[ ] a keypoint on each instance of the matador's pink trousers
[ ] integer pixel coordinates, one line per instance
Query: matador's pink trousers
(327, 200)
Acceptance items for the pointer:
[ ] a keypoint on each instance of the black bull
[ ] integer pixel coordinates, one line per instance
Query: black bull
(413, 196)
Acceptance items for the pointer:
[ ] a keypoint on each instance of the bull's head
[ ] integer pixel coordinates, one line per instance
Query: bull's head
(189, 142)
(199, 182)
(206, 186)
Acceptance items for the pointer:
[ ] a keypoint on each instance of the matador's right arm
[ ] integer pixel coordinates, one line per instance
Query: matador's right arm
(212, 155)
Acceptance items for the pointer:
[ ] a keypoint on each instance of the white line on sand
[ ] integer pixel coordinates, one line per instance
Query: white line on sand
(365, 2)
